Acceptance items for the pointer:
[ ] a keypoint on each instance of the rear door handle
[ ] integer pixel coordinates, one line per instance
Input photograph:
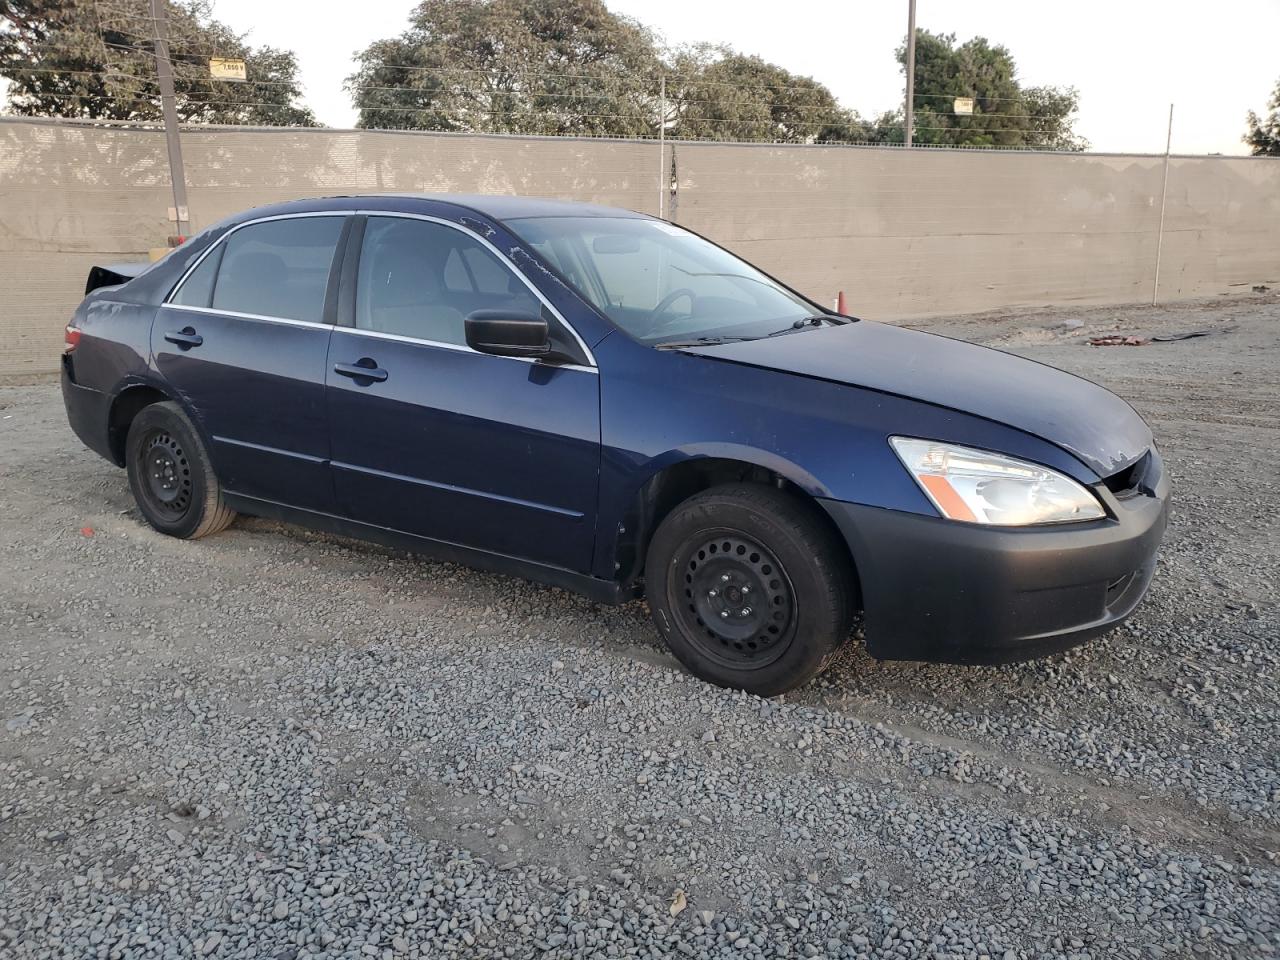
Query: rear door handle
(186, 338)
(362, 369)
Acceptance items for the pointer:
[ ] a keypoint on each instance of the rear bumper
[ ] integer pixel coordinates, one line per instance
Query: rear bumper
(87, 412)
(950, 592)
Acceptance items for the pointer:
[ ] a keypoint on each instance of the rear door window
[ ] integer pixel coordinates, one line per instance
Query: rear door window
(278, 268)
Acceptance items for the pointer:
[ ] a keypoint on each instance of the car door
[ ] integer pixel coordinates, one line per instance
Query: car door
(243, 339)
(495, 453)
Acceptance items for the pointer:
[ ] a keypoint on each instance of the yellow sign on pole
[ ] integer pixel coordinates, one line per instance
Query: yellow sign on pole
(964, 105)
(223, 69)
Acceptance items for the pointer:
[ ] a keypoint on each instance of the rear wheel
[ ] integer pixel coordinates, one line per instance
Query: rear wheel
(171, 476)
(750, 588)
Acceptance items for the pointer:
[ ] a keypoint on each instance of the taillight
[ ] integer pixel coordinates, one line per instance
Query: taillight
(71, 339)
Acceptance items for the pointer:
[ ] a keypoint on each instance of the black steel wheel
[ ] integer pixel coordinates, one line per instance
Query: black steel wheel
(750, 587)
(739, 604)
(171, 476)
(168, 473)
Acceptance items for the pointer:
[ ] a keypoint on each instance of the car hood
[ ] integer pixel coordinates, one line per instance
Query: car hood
(1081, 417)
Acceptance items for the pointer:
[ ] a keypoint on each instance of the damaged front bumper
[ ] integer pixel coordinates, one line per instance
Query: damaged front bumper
(950, 592)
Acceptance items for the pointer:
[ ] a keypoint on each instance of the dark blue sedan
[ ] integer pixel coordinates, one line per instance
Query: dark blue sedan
(606, 402)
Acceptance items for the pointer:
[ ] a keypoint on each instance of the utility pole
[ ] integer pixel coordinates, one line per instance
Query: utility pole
(168, 107)
(911, 70)
(662, 146)
(1164, 192)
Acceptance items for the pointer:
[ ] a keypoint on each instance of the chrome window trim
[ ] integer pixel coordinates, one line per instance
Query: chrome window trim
(250, 316)
(505, 260)
(456, 347)
(168, 300)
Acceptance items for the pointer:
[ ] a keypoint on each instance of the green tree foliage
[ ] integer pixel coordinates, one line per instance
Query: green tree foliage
(1263, 136)
(572, 67)
(1005, 114)
(95, 60)
(717, 94)
(511, 66)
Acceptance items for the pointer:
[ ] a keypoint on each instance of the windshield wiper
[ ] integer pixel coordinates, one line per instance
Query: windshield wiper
(699, 342)
(804, 323)
(795, 327)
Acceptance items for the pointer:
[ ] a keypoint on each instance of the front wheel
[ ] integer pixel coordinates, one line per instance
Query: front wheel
(750, 588)
(171, 476)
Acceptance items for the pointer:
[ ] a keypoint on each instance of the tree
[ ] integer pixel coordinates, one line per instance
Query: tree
(1263, 136)
(572, 67)
(77, 58)
(1004, 113)
(715, 93)
(511, 66)
(888, 128)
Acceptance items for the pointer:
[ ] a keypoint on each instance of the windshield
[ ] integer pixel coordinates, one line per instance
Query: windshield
(661, 283)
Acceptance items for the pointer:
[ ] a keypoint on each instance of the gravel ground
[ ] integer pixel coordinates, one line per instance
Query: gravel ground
(274, 743)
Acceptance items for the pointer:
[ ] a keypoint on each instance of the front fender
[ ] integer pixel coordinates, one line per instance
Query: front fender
(659, 408)
(755, 456)
(637, 498)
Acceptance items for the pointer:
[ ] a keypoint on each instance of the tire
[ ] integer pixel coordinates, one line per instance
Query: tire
(171, 476)
(800, 595)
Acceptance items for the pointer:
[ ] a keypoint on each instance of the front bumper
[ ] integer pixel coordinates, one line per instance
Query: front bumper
(938, 590)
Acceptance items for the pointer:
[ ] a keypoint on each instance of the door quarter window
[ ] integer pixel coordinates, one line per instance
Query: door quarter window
(421, 279)
(277, 268)
(197, 288)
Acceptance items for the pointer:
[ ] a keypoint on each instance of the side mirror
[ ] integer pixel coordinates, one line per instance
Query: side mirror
(508, 333)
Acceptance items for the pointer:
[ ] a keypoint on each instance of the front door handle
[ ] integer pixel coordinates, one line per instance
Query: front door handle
(186, 338)
(363, 369)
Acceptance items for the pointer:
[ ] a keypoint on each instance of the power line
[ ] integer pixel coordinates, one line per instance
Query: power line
(534, 95)
(117, 75)
(971, 96)
(517, 115)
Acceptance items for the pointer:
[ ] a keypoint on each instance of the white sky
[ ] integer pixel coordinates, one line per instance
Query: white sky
(1129, 58)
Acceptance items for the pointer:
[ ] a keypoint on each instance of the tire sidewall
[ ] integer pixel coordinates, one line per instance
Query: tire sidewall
(816, 619)
(169, 417)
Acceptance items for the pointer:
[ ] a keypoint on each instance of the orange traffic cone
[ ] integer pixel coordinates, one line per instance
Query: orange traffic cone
(840, 303)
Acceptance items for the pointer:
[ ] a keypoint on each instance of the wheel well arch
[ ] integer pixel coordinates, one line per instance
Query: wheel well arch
(677, 482)
(127, 404)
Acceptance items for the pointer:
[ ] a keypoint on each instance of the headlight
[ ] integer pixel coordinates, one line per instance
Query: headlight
(982, 487)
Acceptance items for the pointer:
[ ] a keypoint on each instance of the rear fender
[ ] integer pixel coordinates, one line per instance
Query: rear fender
(115, 342)
(127, 400)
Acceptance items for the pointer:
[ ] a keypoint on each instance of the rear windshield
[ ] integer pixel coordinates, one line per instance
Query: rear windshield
(659, 282)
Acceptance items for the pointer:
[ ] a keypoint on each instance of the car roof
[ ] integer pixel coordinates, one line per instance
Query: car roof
(506, 207)
(495, 206)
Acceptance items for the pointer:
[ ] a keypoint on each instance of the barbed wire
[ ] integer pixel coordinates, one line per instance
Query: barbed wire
(517, 116)
(185, 46)
(967, 96)
(540, 94)
(155, 125)
(672, 76)
(519, 101)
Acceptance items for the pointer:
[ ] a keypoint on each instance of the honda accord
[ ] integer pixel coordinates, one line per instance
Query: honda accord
(610, 403)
